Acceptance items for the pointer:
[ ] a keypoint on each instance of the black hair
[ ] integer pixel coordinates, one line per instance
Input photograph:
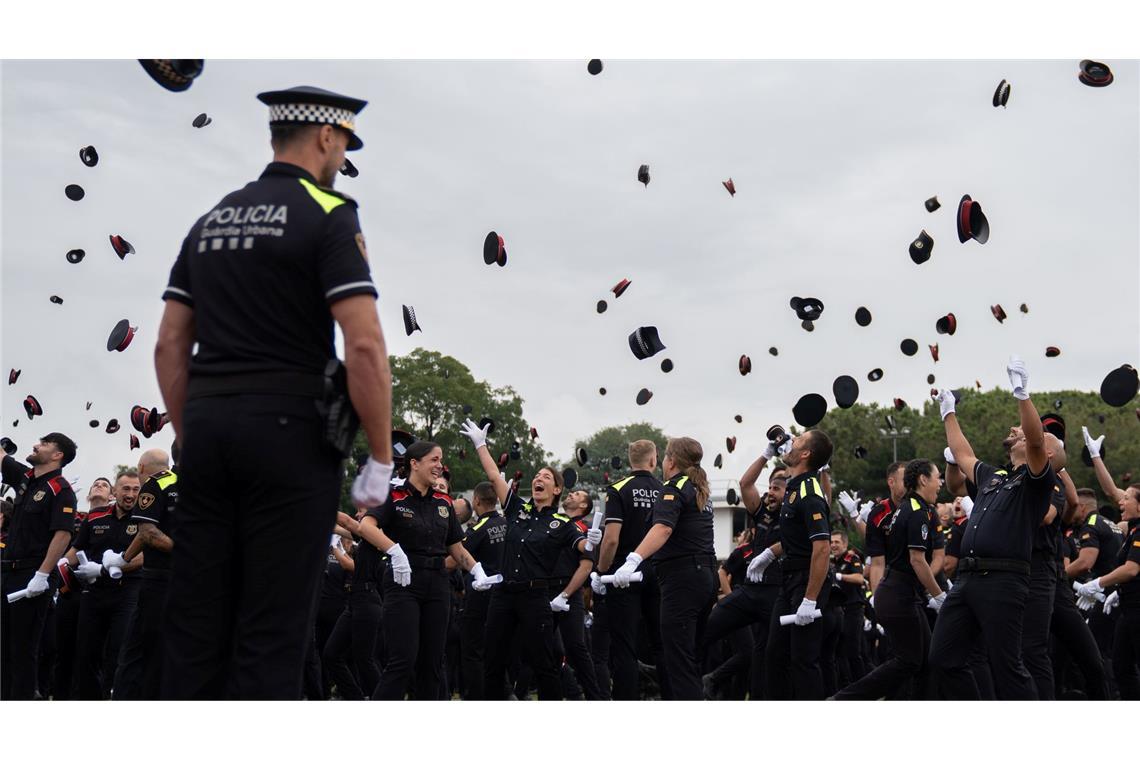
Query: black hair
(819, 449)
(916, 468)
(282, 135)
(484, 493)
(893, 466)
(420, 450)
(64, 444)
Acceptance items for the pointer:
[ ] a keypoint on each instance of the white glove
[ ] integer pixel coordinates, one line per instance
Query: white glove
(804, 612)
(560, 603)
(370, 489)
(946, 403)
(594, 536)
(848, 502)
(621, 577)
(770, 451)
(1085, 603)
(865, 511)
(478, 574)
(589, 620)
(37, 585)
(113, 559)
(825, 468)
(1111, 601)
(89, 571)
(866, 625)
(871, 601)
(1090, 589)
(1018, 377)
(936, 602)
(1093, 445)
(948, 455)
(401, 567)
(879, 628)
(967, 506)
(785, 448)
(597, 585)
(839, 577)
(486, 581)
(477, 435)
(759, 564)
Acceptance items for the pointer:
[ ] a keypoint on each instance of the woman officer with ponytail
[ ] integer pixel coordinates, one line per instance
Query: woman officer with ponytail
(681, 544)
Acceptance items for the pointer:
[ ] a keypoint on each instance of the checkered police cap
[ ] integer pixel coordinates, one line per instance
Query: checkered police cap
(312, 113)
(313, 105)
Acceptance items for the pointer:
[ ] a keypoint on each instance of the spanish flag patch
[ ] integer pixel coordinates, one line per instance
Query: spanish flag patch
(668, 497)
(816, 516)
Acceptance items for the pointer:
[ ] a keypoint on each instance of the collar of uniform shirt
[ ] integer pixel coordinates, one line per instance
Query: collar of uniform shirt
(289, 170)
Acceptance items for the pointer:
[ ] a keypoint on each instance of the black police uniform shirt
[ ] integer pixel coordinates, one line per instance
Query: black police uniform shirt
(570, 559)
(41, 507)
(803, 520)
(422, 523)
(736, 566)
(157, 504)
(957, 530)
(484, 541)
(915, 527)
(692, 523)
(261, 270)
(1008, 508)
(336, 580)
(630, 502)
(1047, 538)
(878, 521)
(848, 563)
(1130, 552)
(766, 533)
(369, 564)
(535, 539)
(1103, 535)
(103, 530)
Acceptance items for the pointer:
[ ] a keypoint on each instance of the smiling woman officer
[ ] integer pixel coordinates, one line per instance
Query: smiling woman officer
(536, 537)
(417, 528)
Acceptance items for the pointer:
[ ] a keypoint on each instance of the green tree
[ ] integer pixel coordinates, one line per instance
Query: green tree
(610, 442)
(431, 396)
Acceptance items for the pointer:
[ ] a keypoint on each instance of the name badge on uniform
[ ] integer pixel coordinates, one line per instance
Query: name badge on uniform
(925, 532)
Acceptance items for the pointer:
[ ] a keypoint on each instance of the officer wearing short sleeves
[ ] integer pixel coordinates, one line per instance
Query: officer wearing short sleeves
(850, 564)
(260, 480)
(484, 541)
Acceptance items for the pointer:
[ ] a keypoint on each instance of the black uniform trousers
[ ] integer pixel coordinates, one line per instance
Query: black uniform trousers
(66, 632)
(104, 614)
(328, 612)
(599, 636)
(989, 605)
(750, 604)
(519, 609)
(139, 674)
(571, 627)
(1074, 641)
(627, 609)
(1035, 627)
(415, 634)
(793, 653)
(258, 495)
(730, 677)
(1103, 629)
(356, 644)
(829, 647)
(851, 641)
(21, 632)
(688, 594)
(473, 623)
(899, 603)
(1126, 653)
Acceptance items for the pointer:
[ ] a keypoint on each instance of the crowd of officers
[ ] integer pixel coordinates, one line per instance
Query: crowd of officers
(1022, 587)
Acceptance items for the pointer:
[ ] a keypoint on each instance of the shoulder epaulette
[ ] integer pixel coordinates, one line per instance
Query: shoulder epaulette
(444, 496)
(481, 522)
(95, 514)
(327, 198)
(914, 504)
(582, 524)
(562, 517)
(814, 482)
(399, 493)
(1092, 519)
(681, 481)
(621, 483)
(58, 483)
(165, 479)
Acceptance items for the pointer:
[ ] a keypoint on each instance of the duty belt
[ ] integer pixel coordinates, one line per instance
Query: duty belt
(985, 565)
(276, 383)
(15, 565)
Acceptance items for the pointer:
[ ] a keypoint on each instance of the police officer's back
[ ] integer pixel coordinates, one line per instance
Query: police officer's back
(263, 407)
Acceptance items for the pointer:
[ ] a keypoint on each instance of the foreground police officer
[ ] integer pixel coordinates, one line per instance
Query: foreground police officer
(263, 407)
(484, 542)
(43, 515)
(681, 545)
(989, 597)
(629, 513)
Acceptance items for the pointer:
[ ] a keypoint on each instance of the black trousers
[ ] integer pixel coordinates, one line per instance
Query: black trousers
(1103, 629)
(1126, 653)
(988, 606)
(829, 647)
(103, 618)
(526, 613)
(258, 495)
(688, 594)
(353, 645)
(571, 626)
(851, 642)
(899, 606)
(749, 605)
(328, 612)
(415, 635)
(139, 674)
(731, 676)
(66, 633)
(793, 654)
(473, 623)
(1035, 627)
(627, 609)
(1074, 641)
(599, 636)
(21, 631)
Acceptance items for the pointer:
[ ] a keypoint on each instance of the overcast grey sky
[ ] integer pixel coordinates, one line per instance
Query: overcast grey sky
(831, 161)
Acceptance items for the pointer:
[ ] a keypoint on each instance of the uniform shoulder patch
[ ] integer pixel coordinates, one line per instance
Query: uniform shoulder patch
(441, 496)
(145, 500)
(562, 518)
(1092, 519)
(58, 484)
(668, 497)
(914, 505)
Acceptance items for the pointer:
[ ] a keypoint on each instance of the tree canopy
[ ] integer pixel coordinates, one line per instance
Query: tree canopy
(610, 442)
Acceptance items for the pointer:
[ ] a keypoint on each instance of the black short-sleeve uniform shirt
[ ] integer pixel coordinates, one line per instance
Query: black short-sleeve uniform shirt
(1130, 552)
(736, 566)
(336, 580)
(1007, 510)
(369, 564)
(848, 563)
(957, 530)
(157, 504)
(766, 533)
(261, 270)
(571, 558)
(1106, 538)
(915, 527)
(803, 520)
(1047, 538)
(104, 529)
(692, 523)
(484, 542)
(878, 522)
(41, 507)
(422, 523)
(535, 539)
(630, 502)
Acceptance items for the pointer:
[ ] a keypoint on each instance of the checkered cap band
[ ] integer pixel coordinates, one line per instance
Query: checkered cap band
(314, 114)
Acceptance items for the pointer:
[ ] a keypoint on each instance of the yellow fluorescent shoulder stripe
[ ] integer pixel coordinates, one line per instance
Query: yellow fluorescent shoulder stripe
(479, 524)
(914, 505)
(327, 201)
(167, 480)
(816, 488)
(563, 518)
(680, 483)
(621, 483)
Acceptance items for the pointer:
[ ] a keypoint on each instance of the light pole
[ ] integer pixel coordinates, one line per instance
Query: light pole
(895, 435)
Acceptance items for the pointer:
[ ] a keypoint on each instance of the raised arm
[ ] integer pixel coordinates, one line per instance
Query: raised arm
(749, 493)
(960, 448)
(1035, 453)
(1103, 478)
(478, 438)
